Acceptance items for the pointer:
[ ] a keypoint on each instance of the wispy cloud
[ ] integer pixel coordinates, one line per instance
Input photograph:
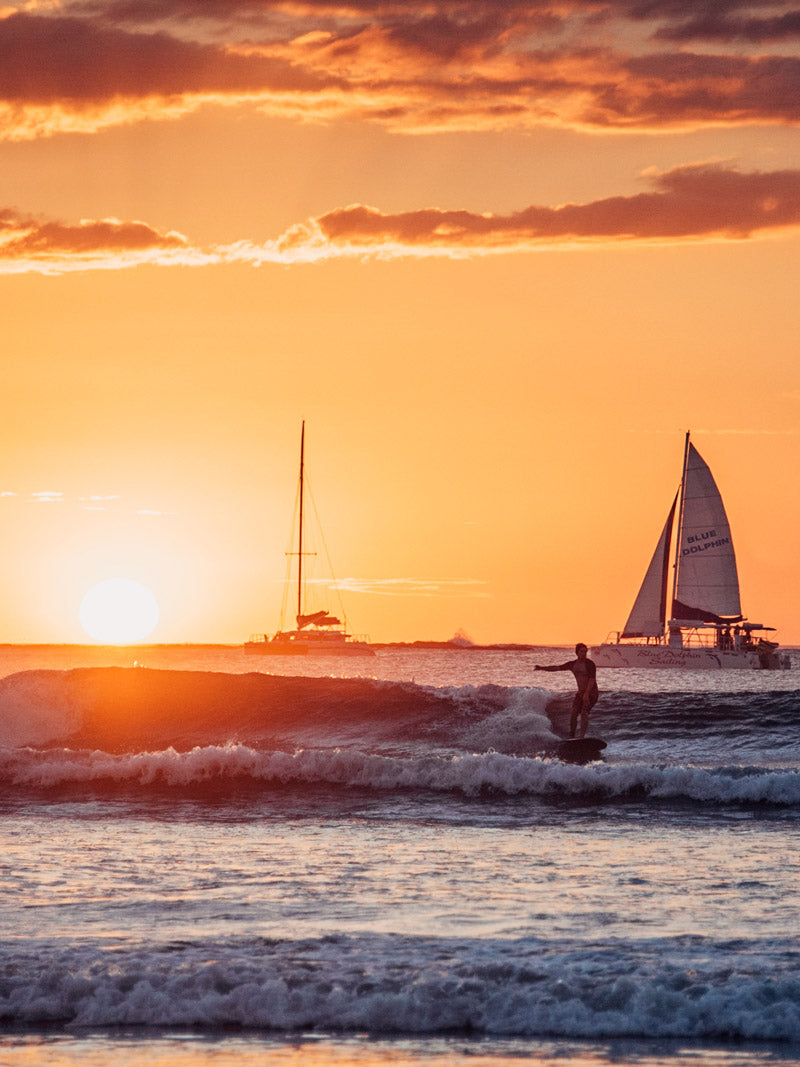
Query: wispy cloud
(745, 432)
(739, 431)
(414, 587)
(47, 496)
(699, 202)
(88, 502)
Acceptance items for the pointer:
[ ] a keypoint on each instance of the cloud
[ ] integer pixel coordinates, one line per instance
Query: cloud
(69, 74)
(93, 502)
(745, 433)
(28, 243)
(698, 202)
(719, 25)
(685, 90)
(51, 58)
(47, 496)
(406, 16)
(414, 587)
(454, 65)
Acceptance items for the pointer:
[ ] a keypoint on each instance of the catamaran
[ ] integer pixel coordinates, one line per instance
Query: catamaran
(701, 626)
(317, 633)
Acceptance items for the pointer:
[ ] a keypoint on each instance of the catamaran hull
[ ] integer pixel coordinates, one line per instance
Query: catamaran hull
(307, 648)
(688, 659)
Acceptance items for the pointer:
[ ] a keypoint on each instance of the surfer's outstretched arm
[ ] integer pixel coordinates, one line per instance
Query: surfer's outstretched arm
(555, 667)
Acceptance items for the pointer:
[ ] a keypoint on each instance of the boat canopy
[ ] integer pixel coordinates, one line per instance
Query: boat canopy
(317, 618)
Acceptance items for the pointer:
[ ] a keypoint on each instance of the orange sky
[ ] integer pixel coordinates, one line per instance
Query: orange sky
(498, 256)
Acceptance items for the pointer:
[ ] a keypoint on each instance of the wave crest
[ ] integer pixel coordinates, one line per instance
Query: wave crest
(468, 774)
(119, 709)
(401, 985)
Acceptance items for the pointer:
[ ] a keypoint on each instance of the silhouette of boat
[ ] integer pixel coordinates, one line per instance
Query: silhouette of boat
(701, 626)
(317, 633)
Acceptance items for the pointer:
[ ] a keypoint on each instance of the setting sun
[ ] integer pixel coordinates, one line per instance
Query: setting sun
(119, 611)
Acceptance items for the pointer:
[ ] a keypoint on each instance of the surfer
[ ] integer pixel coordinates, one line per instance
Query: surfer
(585, 673)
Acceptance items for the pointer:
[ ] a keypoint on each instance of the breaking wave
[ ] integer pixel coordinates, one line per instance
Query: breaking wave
(212, 769)
(688, 987)
(150, 730)
(120, 709)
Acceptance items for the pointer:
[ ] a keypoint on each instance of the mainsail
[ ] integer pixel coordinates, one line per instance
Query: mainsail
(706, 579)
(648, 615)
(707, 582)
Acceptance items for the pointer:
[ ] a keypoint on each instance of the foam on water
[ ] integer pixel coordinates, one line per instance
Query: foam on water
(467, 774)
(681, 988)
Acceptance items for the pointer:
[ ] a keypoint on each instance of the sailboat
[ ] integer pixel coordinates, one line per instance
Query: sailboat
(317, 633)
(701, 625)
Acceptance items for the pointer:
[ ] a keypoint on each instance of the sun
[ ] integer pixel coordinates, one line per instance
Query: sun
(119, 611)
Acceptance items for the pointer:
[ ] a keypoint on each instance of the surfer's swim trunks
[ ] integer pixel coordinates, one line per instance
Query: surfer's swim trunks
(586, 698)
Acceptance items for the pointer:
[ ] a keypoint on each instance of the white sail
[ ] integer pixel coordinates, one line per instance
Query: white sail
(648, 615)
(707, 587)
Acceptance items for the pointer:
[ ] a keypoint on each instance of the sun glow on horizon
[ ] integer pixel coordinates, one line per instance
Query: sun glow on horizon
(119, 611)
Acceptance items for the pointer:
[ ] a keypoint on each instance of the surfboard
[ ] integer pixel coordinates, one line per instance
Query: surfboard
(581, 749)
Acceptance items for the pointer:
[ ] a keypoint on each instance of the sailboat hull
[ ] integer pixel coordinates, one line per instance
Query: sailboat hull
(688, 659)
(307, 643)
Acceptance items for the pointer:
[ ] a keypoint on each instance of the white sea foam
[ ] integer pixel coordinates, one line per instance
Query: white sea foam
(520, 722)
(468, 774)
(401, 985)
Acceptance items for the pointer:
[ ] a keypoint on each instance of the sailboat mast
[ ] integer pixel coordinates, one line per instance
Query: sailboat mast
(679, 535)
(300, 545)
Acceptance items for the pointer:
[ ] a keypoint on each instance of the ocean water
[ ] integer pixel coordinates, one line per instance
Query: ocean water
(208, 858)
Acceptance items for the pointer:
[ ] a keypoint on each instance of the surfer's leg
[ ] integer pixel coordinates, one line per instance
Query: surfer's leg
(584, 722)
(586, 706)
(577, 704)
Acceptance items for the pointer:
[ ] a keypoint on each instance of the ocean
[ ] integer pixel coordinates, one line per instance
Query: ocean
(209, 858)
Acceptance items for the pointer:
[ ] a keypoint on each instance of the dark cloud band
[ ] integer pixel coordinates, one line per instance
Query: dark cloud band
(462, 64)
